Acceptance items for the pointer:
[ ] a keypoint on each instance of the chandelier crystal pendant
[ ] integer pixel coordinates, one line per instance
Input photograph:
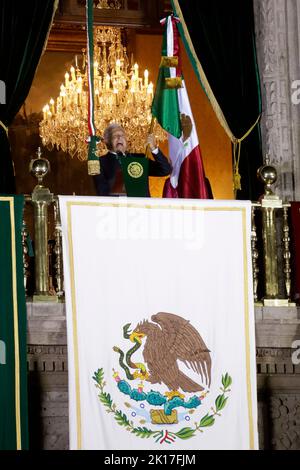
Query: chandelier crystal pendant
(121, 95)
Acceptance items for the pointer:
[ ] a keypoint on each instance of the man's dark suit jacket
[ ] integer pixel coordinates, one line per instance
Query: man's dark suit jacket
(108, 182)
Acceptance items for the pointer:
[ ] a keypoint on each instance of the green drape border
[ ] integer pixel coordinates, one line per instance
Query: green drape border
(14, 414)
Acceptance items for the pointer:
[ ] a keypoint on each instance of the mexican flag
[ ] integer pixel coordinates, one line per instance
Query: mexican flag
(156, 365)
(170, 101)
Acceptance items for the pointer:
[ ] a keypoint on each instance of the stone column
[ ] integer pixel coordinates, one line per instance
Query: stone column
(277, 28)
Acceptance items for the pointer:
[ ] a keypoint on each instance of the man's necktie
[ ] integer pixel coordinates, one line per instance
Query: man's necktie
(118, 186)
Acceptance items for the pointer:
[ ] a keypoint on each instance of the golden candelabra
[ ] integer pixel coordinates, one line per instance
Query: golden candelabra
(120, 95)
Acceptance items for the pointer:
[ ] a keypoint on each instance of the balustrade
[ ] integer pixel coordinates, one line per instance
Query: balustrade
(48, 286)
(272, 277)
(270, 242)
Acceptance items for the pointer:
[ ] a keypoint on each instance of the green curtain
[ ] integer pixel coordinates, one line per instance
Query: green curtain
(24, 26)
(13, 371)
(222, 35)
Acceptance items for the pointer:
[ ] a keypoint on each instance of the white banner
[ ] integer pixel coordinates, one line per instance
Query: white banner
(160, 322)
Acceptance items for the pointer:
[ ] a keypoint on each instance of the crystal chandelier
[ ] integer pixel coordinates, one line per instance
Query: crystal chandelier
(103, 4)
(121, 95)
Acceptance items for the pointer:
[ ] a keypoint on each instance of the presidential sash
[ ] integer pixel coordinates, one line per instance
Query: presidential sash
(135, 175)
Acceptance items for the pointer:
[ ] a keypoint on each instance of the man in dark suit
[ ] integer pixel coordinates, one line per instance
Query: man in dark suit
(110, 181)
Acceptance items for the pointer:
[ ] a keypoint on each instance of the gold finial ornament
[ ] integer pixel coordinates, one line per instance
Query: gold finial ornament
(268, 175)
(39, 167)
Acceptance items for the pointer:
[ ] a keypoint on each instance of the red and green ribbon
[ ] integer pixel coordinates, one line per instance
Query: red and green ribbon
(93, 159)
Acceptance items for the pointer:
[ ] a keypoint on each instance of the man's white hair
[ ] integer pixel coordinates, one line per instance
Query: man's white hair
(109, 130)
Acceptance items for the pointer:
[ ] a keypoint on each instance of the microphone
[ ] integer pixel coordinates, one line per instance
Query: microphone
(119, 156)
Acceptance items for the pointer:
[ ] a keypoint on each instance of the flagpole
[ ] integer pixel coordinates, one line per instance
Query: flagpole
(150, 132)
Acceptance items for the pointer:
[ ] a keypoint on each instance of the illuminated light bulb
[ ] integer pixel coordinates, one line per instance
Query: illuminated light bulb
(146, 75)
(107, 82)
(52, 109)
(73, 74)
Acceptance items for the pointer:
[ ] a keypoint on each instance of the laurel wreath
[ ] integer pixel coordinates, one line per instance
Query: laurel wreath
(163, 435)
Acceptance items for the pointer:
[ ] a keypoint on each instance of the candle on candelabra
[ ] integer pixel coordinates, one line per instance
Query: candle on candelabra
(52, 108)
(76, 62)
(73, 74)
(107, 82)
(146, 75)
(44, 112)
(150, 92)
(67, 79)
(79, 82)
(136, 71)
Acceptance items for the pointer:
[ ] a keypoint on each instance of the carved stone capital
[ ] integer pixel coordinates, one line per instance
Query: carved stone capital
(277, 42)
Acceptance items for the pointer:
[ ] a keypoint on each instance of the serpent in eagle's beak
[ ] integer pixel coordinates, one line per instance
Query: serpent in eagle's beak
(136, 336)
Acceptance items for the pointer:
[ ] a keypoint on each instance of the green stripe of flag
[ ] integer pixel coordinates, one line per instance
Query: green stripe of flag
(165, 105)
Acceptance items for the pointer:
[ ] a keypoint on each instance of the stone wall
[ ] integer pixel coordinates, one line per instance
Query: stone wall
(277, 28)
(278, 379)
(47, 376)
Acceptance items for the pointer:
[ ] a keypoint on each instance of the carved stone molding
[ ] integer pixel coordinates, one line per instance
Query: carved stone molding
(50, 358)
(285, 416)
(276, 361)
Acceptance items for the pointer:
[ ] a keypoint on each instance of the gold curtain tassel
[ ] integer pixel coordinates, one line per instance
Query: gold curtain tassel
(171, 61)
(174, 82)
(237, 181)
(93, 167)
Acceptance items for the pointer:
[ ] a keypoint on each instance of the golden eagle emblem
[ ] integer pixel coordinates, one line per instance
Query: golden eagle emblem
(170, 339)
(135, 169)
(165, 343)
